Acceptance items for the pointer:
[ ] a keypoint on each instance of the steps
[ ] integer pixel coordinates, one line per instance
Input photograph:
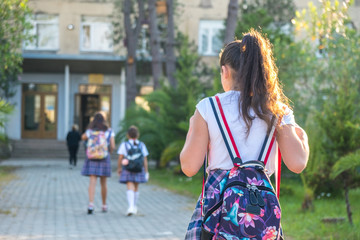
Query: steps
(45, 149)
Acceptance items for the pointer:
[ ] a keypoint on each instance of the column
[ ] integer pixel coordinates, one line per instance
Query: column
(67, 99)
(122, 94)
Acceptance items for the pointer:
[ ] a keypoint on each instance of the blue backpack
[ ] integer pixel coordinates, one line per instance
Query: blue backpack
(245, 206)
(135, 157)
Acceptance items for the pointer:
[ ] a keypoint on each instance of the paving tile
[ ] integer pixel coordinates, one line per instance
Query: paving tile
(48, 201)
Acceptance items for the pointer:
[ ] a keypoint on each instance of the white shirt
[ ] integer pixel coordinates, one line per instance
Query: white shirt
(107, 132)
(122, 148)
(249, 146)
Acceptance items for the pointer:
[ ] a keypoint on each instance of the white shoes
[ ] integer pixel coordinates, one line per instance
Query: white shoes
(131, 211)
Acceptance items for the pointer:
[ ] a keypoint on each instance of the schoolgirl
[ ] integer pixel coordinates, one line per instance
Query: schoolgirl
(251, 99)
(98, 168)
(132, 179)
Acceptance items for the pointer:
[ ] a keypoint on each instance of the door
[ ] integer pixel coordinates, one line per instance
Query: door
(86, 106)
(39, 113)
(90, 100)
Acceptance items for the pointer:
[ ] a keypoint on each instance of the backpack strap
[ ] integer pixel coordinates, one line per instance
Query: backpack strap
(230, 143)
(126, 147)
(267, 145)
(266, 148)
(202, 198)
(225, 131)
(140, 145)
(228, 139)
(278, 174)
(132, 146)
(109, 137)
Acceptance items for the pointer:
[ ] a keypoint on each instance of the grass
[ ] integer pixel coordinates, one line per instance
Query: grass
(181, 184)
(296, 224)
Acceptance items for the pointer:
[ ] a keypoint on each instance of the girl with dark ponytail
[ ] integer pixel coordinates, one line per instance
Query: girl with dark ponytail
(253, 102)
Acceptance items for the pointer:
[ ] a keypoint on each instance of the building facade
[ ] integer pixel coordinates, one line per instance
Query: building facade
(202, 20)
(70, 71)
(73, 69)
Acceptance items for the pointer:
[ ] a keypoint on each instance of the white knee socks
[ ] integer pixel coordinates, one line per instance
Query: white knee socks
(131, 198)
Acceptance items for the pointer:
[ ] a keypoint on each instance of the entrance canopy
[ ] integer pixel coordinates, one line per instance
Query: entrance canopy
(55, 63)
(105, 64)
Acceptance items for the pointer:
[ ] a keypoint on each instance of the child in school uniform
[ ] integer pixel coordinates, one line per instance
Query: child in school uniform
(132, 179)
(98, 168)
(252, 98)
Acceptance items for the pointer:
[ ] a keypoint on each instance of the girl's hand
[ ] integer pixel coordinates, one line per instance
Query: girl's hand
(147, 175)
(119, 170)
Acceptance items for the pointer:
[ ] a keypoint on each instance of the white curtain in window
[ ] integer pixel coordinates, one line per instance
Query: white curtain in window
(210, 42)
(47, 36)
(96, 34)
(45, 31)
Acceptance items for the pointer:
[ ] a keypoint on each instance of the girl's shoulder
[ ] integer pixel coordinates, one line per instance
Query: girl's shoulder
(225, 98)
(230, 95)
(111, 132)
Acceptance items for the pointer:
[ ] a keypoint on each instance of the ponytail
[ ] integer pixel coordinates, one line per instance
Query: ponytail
(254, 74)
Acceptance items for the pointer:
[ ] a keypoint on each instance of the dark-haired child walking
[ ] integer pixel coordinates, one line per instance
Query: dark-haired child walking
(247, 110)
(134, 175)
(101, 167)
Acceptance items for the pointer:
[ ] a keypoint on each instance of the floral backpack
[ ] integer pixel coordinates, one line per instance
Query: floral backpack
(245, 206)
(97, 145)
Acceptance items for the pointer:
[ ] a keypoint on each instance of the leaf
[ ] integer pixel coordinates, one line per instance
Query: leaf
(171, 152)
(346, 163)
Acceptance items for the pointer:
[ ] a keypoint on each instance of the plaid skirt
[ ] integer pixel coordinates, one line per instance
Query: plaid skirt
(211, 190)
(98, 168)
(127, 176)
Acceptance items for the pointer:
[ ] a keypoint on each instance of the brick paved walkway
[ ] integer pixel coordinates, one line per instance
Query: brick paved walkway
(48, 201)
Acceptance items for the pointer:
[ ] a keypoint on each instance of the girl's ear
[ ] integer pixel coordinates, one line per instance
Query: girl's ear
(225, 71)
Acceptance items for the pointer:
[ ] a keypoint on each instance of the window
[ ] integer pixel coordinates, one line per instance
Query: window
(96, 34)
(45, 31)
(210, 43)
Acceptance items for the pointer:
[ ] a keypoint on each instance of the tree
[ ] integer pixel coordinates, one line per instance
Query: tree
(156, 61)
(273, 17)
(132, 30)
(164, 126)
(231, 21)
(348, 165)
(14, 29)
(170, 44)
(5, 109)
(146, 13)
(334, 89)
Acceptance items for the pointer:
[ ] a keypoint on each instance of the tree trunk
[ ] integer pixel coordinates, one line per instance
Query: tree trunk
(170, 44)
(131, 45)
(307, 203)
(130, 73)
(348, 207)
(156, 62)
(231, 21)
